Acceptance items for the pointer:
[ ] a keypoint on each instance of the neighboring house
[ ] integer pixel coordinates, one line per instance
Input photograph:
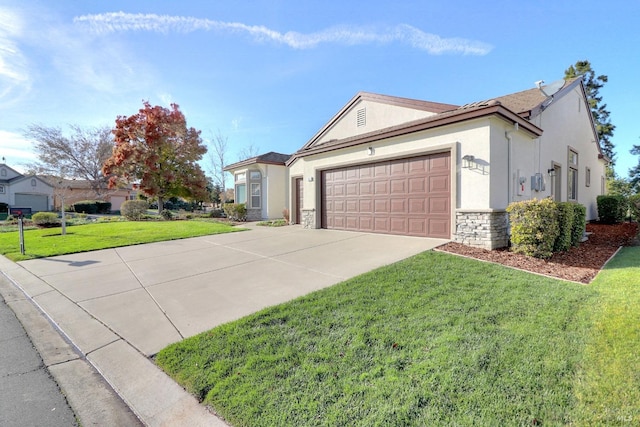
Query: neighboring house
(76, 190)
(393, 165)
(261, 183)
(24, 191)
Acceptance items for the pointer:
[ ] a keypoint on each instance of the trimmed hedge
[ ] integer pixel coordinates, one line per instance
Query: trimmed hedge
(566, 221)
(579, 223)
(611, 209)
(541, 227)
(134, 210)
(46, 219)
(634, 206)
(92, 207)
(235, 211)
(534, 227)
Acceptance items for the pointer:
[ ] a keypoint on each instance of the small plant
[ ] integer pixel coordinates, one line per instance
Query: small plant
(134, 210)
(166, 214)
(235, 211)
(273, 223)
(45, 219)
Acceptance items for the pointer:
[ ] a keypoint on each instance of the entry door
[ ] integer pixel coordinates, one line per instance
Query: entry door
(299, 200)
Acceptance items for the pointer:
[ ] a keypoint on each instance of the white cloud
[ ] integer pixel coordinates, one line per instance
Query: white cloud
(406, 34)
(14, 73)
(15, 149)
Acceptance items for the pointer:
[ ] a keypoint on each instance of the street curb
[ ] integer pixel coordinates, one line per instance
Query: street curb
(91, 398)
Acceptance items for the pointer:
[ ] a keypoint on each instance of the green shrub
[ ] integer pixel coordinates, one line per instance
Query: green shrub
(534, 227)
(92, 207)
(134, 210)
(216, 213)
(611, 209)
(634, 206)
(565, 226)
(166, 214)
(45, 219)
(579, 223)
(235, 211)
(4, 208)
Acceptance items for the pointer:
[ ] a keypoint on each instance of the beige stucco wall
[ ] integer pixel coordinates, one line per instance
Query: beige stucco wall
(378, 116)
(552, 148)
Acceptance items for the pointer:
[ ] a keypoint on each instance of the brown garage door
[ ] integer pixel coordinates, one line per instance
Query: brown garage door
(409, 196)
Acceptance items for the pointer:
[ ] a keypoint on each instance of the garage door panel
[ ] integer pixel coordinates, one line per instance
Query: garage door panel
(406, 196)
(398, 206)
(381, 188)
(398, 186)
(418, 206)
(438, 183)
(381, 206)
(398, 225)
(439, 228)
(438, 205)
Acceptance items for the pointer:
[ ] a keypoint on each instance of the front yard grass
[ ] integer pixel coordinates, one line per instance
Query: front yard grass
(432, 340)
(81, 238)
(609, 384)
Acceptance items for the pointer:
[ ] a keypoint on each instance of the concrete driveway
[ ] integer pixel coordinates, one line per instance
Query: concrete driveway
(119, 306)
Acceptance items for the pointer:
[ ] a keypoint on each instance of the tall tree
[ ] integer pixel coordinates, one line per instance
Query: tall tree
(634, 172)
(599, 111)
(77, 156)
(217, 155)
(156, 149)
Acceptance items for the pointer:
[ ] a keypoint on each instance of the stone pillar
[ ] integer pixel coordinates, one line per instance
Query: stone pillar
(308, 218)
(487, 228)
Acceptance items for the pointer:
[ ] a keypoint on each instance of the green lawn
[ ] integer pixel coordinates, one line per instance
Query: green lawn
(82, 238)
(432, 340)
(609, 384)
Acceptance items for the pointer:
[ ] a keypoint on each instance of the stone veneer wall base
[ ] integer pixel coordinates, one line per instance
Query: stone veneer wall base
(488, 229)
(308, 218)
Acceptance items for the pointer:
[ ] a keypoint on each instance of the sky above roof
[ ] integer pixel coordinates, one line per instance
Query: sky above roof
(269, 74)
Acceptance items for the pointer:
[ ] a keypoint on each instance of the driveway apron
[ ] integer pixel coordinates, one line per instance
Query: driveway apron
(120, 306)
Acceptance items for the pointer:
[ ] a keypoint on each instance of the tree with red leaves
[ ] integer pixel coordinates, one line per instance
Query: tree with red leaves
(156, 149)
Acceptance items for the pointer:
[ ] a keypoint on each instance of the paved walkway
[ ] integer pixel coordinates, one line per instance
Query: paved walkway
(120, 306)
(28, 394)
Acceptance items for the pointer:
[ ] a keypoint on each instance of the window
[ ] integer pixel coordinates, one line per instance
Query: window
(255, 195)
(587, 177)
(1, 189)
(572, 183)
(33, 182)
(241, 193)
(255, 175)
(241, 177)
(3, 172)
(572, 179)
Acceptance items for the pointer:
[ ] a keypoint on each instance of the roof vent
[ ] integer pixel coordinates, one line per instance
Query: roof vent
(361, 119)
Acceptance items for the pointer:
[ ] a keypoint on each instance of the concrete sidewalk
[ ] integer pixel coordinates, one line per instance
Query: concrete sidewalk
(120, 306)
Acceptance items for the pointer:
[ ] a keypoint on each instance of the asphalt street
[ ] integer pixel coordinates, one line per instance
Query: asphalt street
(29, 396)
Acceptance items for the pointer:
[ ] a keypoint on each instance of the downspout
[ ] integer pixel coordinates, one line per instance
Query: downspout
(507, 134)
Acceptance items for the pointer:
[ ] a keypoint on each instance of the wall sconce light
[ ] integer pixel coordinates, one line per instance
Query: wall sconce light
(551, 172)
(468, 161)
(310, 179)
(370, 151)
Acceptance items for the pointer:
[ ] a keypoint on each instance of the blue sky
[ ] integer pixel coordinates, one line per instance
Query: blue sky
(271, 73)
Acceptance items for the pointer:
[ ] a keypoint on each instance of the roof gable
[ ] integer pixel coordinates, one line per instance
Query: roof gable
(367, 112)
(270, 158)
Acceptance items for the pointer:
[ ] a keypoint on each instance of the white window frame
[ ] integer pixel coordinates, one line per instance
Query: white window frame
(256, 195)
(572, 175)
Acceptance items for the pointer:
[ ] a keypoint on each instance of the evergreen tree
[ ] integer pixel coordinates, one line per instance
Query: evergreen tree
(599, 110)
(634, 172)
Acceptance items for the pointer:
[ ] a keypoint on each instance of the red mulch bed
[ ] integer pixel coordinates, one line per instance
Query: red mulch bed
(579, 264)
